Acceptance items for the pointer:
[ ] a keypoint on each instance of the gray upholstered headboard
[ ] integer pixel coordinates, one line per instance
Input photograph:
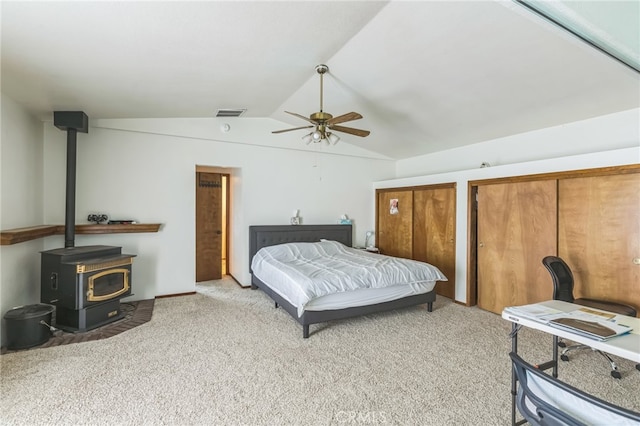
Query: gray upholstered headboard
(270, 235)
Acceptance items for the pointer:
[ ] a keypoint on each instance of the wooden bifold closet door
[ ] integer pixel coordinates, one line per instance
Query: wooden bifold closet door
(517, 225)
(591, 219)
(395, 223)
(434, 229)
(599, 235)
(419, 223)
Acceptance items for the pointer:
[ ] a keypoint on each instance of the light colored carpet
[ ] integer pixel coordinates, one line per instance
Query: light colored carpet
(226, 356)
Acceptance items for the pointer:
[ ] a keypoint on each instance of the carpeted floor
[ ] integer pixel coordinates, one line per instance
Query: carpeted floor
(226, 356)
(135, 313)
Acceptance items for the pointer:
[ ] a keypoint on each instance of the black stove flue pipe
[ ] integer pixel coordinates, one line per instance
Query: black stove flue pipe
(73, 122)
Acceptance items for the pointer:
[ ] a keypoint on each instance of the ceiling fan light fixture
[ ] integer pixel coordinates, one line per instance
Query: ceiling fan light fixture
(322, 121)
(333, 138)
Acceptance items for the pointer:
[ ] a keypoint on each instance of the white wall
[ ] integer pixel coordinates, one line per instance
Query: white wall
(611, 140)
(145, 170)
(605, 133)
(21, 205)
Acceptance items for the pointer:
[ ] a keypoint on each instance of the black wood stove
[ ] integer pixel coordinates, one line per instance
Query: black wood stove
(85, 284)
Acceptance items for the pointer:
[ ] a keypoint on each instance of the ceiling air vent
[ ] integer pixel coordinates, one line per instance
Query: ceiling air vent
(230, 112)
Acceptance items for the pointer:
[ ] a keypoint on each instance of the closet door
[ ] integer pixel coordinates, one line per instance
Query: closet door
(434, 233)
(517, 227)
(599, 235)
(395, 229)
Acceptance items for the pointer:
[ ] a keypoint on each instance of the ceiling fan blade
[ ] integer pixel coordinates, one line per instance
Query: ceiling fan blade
(350, 116)
(289, 130)
(302, 116)
(351, 130)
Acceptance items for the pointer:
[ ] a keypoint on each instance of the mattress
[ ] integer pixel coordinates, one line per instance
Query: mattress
(329, 275)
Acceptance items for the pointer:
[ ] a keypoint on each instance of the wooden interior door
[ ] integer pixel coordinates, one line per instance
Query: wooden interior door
(209, 237)
(434, 233)
(599, 235)
(395, 230)
(517, 227)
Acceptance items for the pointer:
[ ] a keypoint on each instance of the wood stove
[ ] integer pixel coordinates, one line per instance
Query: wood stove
(85, 284)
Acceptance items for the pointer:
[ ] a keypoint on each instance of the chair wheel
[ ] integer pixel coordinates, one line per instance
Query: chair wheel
(616, 374)
(564, 357)
(562, 345)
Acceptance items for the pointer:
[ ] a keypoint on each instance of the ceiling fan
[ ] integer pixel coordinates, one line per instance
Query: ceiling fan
(323, 123)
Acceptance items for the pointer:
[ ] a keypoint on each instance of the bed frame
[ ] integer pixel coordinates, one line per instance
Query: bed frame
(269, 235)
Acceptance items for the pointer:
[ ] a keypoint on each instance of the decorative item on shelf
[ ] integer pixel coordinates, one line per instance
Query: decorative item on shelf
(344, 220)
(122, 222)
(97, 218)
(296, 219)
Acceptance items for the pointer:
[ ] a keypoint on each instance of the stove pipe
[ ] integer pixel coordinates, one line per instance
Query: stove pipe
(73, 122)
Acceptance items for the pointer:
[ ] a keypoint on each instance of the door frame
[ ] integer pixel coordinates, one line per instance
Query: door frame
(227, 172)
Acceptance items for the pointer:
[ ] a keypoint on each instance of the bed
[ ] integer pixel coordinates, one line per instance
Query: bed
(333, 306)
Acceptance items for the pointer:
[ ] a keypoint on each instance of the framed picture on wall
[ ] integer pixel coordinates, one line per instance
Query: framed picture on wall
(393, 206)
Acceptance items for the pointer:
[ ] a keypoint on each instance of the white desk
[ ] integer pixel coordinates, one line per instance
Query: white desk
(625, 346)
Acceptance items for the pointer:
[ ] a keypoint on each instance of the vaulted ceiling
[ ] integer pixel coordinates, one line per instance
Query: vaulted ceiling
(426, 75)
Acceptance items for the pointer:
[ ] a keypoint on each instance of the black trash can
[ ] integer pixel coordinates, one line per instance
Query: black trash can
(28, 325)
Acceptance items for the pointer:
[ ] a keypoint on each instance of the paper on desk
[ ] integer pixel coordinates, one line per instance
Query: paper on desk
(588, 314)
(534, 312)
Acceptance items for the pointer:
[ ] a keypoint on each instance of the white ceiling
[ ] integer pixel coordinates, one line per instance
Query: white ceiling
(426, 75)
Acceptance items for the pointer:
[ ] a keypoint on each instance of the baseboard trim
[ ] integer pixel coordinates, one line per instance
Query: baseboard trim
(238, 282)
(191, 293)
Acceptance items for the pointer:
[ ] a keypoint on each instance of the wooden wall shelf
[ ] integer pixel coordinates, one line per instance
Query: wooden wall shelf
(116, 229)
(19, 235)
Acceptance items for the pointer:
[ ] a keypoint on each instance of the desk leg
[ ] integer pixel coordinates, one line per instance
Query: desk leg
(514, 390)
(555, 356)
(553, 364)
(514, 382)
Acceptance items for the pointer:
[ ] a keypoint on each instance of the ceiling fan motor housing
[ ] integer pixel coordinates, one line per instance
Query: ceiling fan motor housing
(320, 116)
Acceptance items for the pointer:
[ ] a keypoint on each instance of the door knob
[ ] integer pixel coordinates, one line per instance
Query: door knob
(480, 244)
(636, 261)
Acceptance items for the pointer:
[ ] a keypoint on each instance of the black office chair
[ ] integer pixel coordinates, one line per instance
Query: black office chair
(563, 290)
(545, 400)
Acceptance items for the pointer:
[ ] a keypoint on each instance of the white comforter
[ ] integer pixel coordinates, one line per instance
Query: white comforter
(300, 272)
